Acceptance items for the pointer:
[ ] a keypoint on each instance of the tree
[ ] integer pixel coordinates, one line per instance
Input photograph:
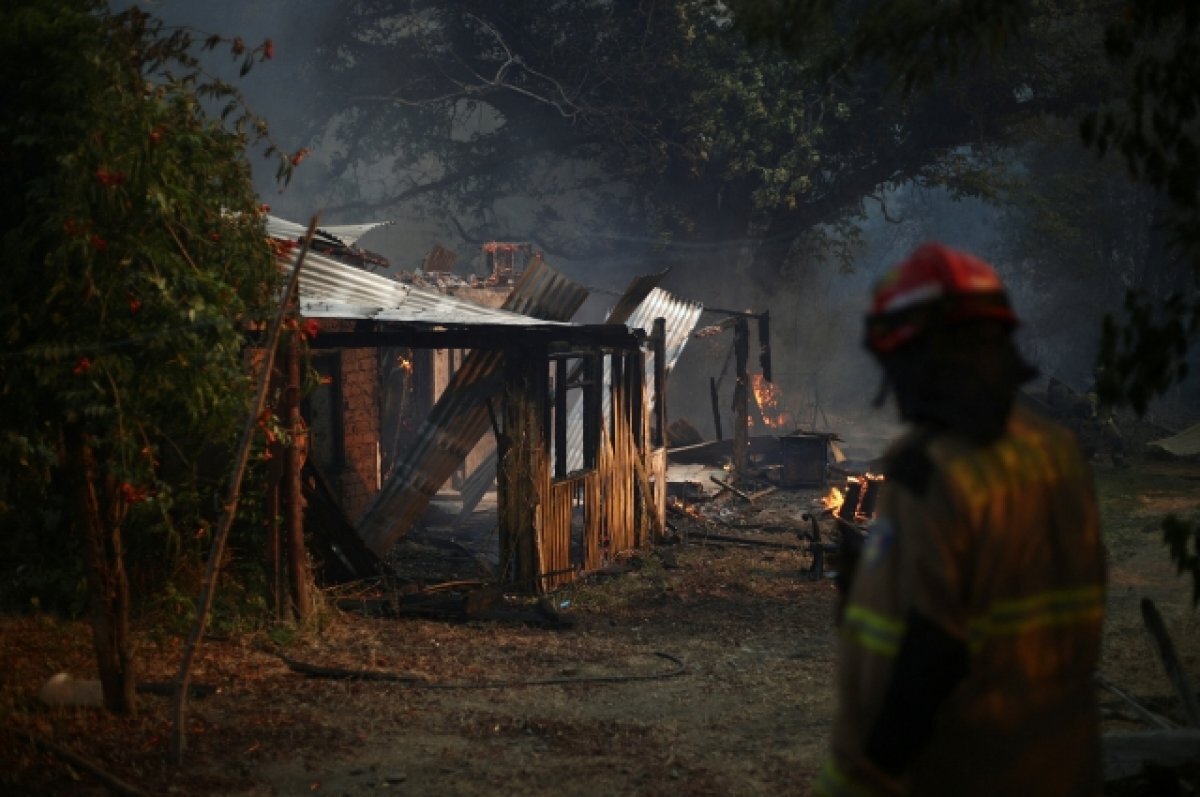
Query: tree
(134, 253)
(684, 131)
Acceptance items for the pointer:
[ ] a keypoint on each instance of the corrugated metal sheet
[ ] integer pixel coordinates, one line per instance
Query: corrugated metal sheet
(331, 289)
(681, 317)
(482, 478)
(347, 234)
(460, 416)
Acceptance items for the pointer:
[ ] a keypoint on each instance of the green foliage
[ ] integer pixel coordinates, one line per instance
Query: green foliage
(1151, 124)
(1144, 355)
(1183, 539)
(134, 250)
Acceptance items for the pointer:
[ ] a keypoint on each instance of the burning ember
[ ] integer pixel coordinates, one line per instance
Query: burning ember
(833, 501)
(769, 398)
(857, 502)
(404, 363)
(675, 504)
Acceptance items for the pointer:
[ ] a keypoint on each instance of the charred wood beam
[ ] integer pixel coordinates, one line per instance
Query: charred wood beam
(373, 334)
(741, 396)
(593, 409)
(764, 345)
(716, 408)
(560, 418)
(659, 338)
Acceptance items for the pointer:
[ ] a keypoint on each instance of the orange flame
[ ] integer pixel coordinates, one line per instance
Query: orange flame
(769, 397)
(833, 502)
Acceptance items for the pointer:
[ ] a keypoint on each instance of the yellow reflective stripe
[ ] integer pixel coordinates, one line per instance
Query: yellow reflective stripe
(1063, 607)
(875, 632)
(832, 782)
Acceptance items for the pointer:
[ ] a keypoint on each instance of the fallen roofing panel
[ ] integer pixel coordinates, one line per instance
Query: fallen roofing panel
(332, 289)
(460, 417)
(347, 234)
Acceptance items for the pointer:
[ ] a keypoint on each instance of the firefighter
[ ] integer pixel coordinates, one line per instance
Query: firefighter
(971, 627)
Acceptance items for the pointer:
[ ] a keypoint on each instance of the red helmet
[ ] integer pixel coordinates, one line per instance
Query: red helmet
(935, 285)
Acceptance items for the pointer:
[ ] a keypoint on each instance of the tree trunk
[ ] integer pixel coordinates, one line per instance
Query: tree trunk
(108, 585)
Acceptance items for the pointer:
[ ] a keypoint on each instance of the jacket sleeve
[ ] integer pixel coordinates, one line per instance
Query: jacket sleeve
(902, 648)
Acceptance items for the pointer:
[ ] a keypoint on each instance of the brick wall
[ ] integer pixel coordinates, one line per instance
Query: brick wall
(359, 479)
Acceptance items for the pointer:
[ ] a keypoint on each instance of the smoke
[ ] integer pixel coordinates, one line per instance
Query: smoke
(816, 307)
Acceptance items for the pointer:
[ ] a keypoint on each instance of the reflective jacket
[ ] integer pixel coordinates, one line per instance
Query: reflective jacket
(972, 629)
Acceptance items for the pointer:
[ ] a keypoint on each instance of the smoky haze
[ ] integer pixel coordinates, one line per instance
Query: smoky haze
(826, 380)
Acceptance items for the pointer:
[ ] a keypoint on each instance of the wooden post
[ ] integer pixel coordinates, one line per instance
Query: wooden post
(635, 377)
(293, 487)
(716, 407)
(517, 493)
(659, 338)
(741, 398)
(593, 409)
(617, 403)
(560, 418)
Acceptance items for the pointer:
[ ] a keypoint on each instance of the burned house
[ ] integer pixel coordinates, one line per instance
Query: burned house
(575, 412)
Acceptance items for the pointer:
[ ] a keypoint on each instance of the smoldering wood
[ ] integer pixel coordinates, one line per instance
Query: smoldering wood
(741, 396)
(764, 345)
(716, 407)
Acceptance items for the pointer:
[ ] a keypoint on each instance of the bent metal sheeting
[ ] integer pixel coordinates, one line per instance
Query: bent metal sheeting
(460, 417)
(331, 289)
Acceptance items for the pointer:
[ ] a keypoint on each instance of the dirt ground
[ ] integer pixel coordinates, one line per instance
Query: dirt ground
(703, 668)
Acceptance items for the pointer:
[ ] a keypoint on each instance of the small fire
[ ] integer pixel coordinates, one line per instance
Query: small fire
(769, 397)
(833, 501)
(404, 363)
(677, 505)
